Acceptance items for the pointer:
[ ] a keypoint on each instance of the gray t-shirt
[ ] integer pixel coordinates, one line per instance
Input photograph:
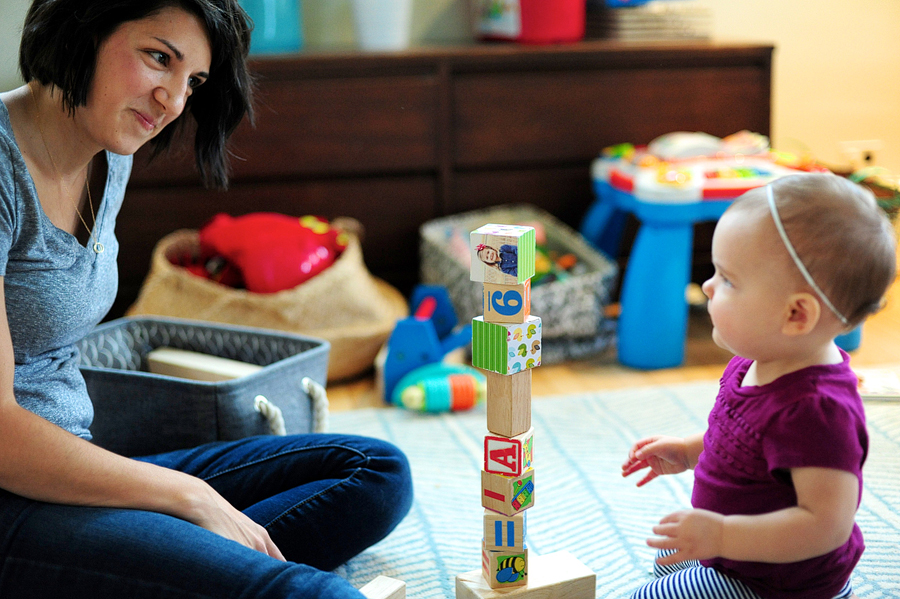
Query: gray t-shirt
(57, 290)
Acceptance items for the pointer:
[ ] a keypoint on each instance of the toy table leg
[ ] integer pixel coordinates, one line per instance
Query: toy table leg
(653, 323)
(604, 222)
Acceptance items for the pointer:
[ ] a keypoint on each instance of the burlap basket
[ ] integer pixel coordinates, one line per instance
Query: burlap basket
(344, 304)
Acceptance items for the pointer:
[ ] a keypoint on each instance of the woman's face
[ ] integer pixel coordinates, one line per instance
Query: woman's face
(146, 70)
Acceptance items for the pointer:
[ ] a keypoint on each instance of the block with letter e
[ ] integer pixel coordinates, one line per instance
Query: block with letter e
(504, 533)
(502, 254)
(508, 495)
(510, 456)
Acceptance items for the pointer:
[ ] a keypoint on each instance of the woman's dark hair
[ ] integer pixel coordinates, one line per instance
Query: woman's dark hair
(59, 47)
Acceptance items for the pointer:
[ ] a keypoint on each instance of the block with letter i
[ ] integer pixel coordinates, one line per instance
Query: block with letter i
(508, 495)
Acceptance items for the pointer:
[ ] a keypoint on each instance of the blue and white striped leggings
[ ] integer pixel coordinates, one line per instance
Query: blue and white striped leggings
(690, 580)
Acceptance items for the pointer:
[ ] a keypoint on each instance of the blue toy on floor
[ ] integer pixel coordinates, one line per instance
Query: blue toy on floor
(414, 374)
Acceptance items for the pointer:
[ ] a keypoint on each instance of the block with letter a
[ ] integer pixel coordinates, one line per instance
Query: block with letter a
(509, 455)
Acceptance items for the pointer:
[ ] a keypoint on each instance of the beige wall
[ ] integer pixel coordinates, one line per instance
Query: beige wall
(836, 67)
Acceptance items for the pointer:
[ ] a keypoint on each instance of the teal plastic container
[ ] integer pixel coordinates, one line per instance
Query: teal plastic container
(277, 26)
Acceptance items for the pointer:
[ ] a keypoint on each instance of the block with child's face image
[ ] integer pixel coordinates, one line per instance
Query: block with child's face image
(502, 254)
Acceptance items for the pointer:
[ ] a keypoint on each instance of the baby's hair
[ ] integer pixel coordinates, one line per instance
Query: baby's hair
(843, 238)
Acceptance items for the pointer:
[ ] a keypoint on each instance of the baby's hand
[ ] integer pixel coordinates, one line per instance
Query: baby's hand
(692, 534)
(663, 455)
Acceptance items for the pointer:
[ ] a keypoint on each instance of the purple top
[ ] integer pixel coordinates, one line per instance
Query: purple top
(810, 418)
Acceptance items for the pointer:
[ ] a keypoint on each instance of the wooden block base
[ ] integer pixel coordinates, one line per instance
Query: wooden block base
(384, 587)
(553, 576)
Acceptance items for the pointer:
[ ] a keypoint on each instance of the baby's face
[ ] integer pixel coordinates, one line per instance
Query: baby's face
(749, 291)
(489, 255)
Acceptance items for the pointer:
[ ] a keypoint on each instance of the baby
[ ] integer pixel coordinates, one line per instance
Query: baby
(778, 472)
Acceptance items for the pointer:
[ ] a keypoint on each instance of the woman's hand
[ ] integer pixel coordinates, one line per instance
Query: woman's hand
(663, 455)
(212, 512)
(690, 534)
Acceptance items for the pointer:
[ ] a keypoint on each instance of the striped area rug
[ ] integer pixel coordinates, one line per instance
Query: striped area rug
(582, 504)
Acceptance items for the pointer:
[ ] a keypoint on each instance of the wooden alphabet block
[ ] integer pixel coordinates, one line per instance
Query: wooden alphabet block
(504, 569)
(508, 403)
(507, 303)
(502, 254)
(504, 533)
(553, 576)
(508, 495)
(509, 456)
(506, 348)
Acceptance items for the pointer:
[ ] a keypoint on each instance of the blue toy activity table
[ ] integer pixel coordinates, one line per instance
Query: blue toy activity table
(668, 199)
(653, 322)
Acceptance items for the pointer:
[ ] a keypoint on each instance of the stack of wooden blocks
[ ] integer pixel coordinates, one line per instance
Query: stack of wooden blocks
(506, 343)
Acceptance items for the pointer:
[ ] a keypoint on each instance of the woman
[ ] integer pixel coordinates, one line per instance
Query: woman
(104, 77)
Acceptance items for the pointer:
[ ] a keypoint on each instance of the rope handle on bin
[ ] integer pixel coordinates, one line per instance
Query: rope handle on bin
(320, 404)
(275, 417)
(272, 413)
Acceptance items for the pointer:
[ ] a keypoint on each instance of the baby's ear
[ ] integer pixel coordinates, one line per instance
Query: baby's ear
(802, 314)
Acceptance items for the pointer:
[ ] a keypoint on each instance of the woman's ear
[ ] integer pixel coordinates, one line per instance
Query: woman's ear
(802, 314)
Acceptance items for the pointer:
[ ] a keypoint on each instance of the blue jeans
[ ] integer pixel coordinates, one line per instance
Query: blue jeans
(322, 498)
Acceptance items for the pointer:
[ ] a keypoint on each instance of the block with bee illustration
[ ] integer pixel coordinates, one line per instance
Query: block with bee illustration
(507, 303)
(504, 569)
(510, 456)
(502, 254)
(508, 495)
(506, 348)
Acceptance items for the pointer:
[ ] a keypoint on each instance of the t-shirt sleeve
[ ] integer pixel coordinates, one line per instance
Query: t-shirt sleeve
(817, 432)
(8, 200)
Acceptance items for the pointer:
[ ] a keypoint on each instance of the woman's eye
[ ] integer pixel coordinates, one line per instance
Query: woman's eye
(195, 82)
(160, 57)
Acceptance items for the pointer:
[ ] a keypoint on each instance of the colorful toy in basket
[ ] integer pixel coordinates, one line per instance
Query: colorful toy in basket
(266, 252)
(683, 167)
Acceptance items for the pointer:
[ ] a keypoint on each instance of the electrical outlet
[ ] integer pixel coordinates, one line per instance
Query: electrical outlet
(861, 153)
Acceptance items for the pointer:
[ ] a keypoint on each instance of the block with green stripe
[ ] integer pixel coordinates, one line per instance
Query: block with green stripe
(506, 347)
(502, 254)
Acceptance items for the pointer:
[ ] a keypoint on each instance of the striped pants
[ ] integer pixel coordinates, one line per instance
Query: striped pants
(690, 580)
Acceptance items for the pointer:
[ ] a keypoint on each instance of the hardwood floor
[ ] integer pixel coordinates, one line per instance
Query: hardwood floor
(880, 347)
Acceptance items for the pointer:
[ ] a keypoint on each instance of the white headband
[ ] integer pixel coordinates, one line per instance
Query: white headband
(797, 261)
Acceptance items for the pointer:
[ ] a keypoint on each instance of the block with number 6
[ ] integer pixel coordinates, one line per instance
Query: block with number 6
(507, 303)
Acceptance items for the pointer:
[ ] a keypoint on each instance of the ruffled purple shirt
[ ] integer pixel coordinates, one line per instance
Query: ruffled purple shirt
(810, 418)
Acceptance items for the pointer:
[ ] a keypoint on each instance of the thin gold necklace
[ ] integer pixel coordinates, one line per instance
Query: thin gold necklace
(96, 245)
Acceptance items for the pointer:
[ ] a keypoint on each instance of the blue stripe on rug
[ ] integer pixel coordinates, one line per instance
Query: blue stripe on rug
(582, 503)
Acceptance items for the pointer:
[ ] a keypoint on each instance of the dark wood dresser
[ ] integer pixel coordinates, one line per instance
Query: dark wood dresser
(397, 139)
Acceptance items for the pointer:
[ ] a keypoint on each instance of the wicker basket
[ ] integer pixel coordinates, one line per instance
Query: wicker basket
(571, 310)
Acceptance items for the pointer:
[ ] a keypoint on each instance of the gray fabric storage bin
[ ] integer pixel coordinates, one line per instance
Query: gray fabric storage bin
(140, 413)
(572, 311)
